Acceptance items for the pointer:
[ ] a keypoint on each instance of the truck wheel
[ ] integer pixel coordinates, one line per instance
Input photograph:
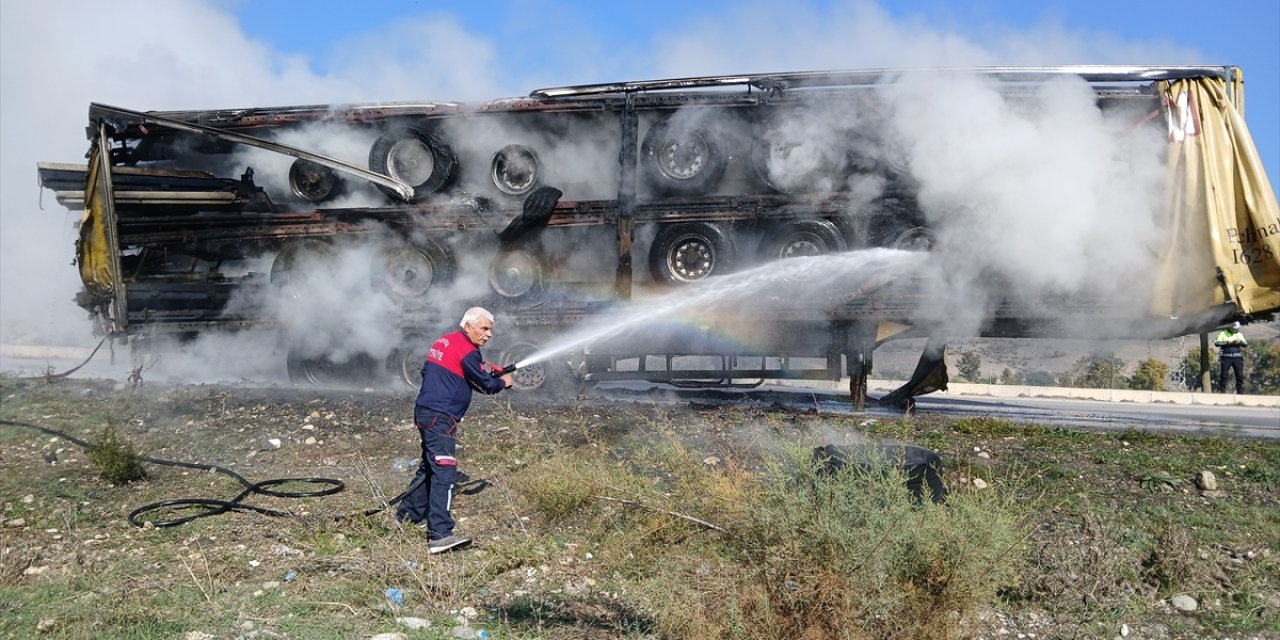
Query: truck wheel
(515, 170)
(408, 272)
(798, 155)
(690, 251)
(413, 156)
(404, 364)
(301, 267)
(805, 238)
(681, 160)
(546, 376)
(914, 239)
(324, 371)
(515, 274)
(314, 182)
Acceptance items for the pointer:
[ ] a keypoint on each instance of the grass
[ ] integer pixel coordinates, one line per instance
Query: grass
(619, 520)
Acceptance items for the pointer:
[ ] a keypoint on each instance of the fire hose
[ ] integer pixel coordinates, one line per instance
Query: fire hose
(213, 507)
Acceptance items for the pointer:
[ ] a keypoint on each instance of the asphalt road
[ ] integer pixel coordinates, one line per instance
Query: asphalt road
(1225, 420)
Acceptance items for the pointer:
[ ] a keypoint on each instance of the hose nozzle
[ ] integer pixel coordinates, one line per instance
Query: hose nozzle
(503, 371)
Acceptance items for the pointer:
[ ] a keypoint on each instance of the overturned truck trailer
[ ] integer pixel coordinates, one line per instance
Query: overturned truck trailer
(358, 232)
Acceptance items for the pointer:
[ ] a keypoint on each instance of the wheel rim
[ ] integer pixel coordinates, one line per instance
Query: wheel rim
(323, 371)
(300, 269)
(311, 181)
(514, 170)
(410, 160)
(408, 273)
(691, 258)
(410, 368)
(916, 239)
(683, 159)
(802, 245)
(514, 274)
(526, 378)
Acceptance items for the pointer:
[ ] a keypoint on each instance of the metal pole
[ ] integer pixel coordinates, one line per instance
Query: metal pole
(1204, 363)
(626, 197)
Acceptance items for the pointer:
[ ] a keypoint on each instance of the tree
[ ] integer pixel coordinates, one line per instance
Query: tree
(1039, 378)
(969, 366)
(1009, 376)
(1150, 375)
(1097, 371)
(1262, 367)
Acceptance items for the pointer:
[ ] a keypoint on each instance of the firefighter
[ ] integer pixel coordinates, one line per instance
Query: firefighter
(1231, 344)
(453, 368)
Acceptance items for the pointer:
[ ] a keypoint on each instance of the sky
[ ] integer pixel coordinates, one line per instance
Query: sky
(57, 56)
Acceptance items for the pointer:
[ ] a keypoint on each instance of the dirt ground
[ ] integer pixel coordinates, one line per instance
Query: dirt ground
(73, 566)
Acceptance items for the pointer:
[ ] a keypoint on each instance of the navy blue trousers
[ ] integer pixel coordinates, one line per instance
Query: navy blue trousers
(431, 494)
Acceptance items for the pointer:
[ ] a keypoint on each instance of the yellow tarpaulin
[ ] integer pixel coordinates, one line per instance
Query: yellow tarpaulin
(93, 249)
(1223, 213)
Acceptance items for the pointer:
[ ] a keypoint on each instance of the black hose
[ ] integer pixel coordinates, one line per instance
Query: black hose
(213, 506)
(49, 377)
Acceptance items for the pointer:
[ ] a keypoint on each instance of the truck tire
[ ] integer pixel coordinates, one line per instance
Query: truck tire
(791, 156)
(550, 376)
(804, 238)
(516, 274)
(408, 272)
(404, 363)
(690, 251)
(681, 160)
(913, 239)
(314, 182)
(515, 170)
(323, 371)
(301, 266)
(416, 157)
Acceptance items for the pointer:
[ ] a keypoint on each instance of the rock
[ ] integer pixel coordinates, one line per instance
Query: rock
(464, 632)
(469, 613)
(413, 624)
(1124, 631)
(35, 571)
(15, 522)
(711, 461)
(984, 455)
(269, 444)
(197, 635)
(394, 635)
(1206, 481)
(28, 499)
(979, 483)
(310, 440)
(46, 625)
(1214, 494)
(1183, 602)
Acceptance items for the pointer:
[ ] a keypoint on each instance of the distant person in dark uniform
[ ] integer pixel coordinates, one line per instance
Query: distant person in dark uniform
(452, 370)
(1231, 344)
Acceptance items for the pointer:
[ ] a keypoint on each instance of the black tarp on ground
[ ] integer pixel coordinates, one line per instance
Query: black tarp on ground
(922, 467)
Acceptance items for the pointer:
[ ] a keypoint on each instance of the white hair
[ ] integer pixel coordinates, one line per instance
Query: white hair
(473, 314)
